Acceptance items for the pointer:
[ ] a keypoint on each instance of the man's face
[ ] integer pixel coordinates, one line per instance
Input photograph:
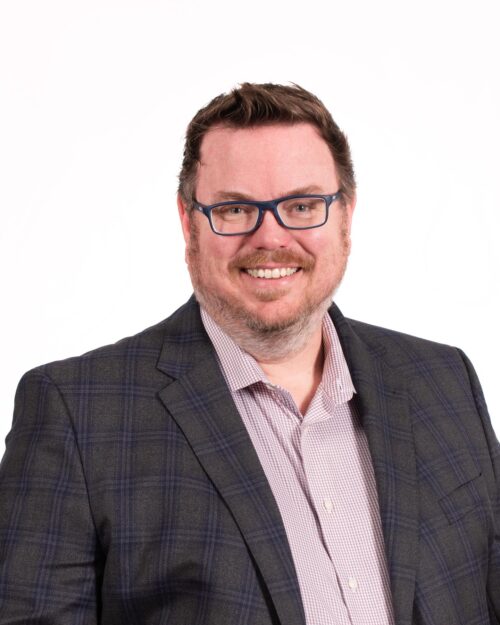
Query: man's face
(265, 163)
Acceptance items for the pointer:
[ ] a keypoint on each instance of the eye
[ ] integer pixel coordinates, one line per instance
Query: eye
(235, 210)
(231, 212)
(300, 205)
(301, 208)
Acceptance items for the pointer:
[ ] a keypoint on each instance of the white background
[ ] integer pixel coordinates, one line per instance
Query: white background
(94, 100)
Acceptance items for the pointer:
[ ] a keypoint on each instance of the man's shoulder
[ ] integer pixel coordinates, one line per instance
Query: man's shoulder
(144, 345)
(398, 348)
(141, 350)
(371, 332)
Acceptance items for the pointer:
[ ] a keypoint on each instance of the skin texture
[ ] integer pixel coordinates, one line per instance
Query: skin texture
(274, 320)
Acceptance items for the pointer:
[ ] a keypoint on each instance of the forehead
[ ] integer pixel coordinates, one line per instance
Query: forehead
(264, 161)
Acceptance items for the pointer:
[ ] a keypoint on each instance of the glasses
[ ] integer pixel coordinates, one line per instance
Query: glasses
(296, 212)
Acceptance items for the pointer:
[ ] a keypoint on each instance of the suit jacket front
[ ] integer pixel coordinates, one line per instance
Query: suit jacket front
(130, 492)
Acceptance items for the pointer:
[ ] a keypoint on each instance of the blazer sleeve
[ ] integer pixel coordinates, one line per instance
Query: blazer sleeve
(50, 563)
(493, 579)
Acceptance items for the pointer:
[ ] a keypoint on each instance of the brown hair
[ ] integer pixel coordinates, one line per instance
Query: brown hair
(253, 104)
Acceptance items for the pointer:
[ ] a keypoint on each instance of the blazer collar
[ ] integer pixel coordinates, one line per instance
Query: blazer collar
(197, 397)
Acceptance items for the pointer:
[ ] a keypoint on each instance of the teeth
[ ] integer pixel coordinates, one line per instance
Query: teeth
(272, 274)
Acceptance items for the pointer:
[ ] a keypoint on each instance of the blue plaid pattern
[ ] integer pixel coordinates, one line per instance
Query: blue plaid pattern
(131, 493)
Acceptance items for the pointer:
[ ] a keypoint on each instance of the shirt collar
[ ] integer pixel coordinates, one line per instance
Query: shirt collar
(241, 370)
(336, 381)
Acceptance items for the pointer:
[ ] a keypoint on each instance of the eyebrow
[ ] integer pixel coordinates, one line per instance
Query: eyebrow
(222, 196)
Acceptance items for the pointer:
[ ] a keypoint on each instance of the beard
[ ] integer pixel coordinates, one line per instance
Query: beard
(265, 339)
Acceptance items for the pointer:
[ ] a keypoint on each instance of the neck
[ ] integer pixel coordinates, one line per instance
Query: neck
(299, 373)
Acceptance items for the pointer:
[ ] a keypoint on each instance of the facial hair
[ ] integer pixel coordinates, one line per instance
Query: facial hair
(264, 339)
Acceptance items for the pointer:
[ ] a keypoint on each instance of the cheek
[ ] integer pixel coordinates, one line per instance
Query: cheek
(335, 241)
(219, 254)
(320, 244)
(215, 251)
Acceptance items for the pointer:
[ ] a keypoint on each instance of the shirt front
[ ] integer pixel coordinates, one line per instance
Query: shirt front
(319, 468)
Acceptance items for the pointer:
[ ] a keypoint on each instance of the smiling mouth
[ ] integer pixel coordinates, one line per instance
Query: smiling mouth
(272, 274)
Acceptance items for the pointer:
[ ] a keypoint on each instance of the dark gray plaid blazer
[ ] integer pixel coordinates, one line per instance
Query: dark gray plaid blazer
(132, 495)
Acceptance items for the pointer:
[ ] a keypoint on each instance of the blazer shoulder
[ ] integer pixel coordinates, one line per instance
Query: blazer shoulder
(143, 347)
(399, 349)
(128, 357)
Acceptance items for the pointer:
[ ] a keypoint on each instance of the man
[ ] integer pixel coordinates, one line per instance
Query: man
(255, 458)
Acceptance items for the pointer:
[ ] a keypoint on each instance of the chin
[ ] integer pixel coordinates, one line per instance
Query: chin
(270, 295)
(270, 325)
(283, 316)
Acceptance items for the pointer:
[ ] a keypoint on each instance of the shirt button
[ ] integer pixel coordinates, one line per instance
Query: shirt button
(339, 384)
(328, 505)
(353, 583)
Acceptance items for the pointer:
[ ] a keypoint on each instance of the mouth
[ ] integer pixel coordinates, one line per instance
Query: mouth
(274, 273)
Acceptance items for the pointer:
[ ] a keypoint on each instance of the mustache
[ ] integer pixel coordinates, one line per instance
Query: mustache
(262, 257)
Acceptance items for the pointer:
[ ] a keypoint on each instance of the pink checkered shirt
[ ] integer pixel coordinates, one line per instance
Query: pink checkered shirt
(320, 471)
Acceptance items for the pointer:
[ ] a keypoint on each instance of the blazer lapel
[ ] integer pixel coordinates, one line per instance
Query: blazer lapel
(382, 397)
(199, 400)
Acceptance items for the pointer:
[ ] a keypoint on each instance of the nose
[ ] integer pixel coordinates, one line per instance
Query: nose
(270, 235)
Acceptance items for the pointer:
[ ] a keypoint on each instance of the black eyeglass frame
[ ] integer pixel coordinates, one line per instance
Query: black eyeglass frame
(270, 205)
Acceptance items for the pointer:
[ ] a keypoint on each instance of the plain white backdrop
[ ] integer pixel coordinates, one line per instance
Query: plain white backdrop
(95, 96)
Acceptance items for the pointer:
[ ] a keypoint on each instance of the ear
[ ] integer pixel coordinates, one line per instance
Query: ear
(185, 218)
